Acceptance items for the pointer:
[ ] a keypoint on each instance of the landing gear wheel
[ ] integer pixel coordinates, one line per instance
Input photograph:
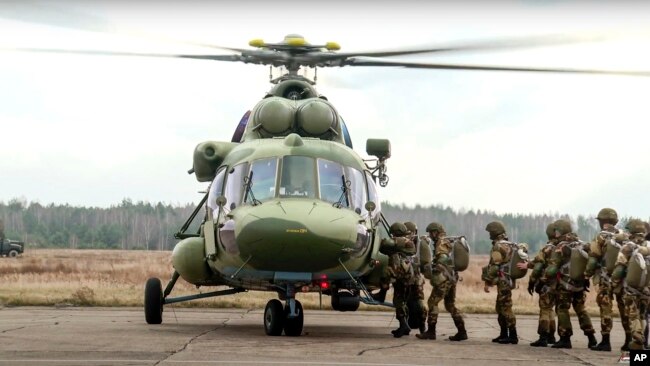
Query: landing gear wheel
(13, 253)
(153, 301)
(293, 326)
(274, 318)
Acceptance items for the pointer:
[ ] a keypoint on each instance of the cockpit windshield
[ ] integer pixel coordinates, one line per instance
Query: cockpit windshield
(299, 177)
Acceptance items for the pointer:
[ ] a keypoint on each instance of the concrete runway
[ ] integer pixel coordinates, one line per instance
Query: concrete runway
(120, 336)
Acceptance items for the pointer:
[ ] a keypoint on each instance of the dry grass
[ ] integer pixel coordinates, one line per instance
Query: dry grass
(116, 278)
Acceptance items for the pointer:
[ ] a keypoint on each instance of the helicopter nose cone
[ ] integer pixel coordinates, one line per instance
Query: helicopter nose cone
(300, 236)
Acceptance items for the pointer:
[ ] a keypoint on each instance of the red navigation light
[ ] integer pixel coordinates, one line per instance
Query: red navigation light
(324, 285)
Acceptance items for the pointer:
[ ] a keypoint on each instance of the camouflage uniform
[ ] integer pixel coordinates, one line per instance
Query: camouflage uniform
(416, 289)
(635, 300)
(545, 287)
(399, 250)
(443, 280)
(569, 292)
(497, 273)
(606, 291)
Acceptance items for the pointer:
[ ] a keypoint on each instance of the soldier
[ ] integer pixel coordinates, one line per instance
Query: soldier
(635, 299)
(443, 279)
(569, 292)
(497, 273)
(399, 250)
(607, 218)
(545, 288)
(421, 260)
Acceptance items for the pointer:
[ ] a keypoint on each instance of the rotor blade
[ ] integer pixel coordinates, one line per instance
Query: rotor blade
(49, 15)
(497, 44)
(233, 58)
(413, 65)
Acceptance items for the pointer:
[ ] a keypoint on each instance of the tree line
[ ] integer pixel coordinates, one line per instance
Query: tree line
(151, 226)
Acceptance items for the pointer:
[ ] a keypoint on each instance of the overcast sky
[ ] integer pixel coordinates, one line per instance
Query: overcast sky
(91, 130)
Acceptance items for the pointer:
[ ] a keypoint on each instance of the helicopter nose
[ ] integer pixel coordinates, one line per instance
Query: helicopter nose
(296, 235)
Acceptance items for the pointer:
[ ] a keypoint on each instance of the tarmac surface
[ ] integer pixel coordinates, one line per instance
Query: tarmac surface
(120, 336)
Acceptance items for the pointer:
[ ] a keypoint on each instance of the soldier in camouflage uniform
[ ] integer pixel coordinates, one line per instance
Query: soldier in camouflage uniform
(545, 287)
(497, 274)
(636, 300)
(443, 279)
(607, 218)
(421, 260)
(399, 250)
(569, 292)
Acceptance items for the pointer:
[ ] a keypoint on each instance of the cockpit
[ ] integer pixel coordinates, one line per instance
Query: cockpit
(293, 177)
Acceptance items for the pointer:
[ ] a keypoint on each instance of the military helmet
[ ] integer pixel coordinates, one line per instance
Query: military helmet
(496, 228)
(398, 229)
(562, 226)
(636, 226)
(550, 231)
(607, 214)
(434, 226)
(411, 227)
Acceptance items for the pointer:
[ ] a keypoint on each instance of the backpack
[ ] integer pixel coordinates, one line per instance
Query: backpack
(637, 275)
(459, 253)
(400, 267)
(519, 254)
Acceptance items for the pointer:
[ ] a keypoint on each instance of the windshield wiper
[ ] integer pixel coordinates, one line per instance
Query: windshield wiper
(345, 187)
(248, 187)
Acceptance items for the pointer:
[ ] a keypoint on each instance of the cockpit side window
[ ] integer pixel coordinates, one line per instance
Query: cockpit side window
(331, 182)
(235, 186)
(264, 172)
(298, 177)
(216, 188)
(357, 189)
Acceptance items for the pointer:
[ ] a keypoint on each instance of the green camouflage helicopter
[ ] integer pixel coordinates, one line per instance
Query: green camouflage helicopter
(291, 207)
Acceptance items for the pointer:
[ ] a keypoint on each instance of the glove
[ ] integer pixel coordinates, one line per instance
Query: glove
(531, 287)
(539, 287)
(587, 284)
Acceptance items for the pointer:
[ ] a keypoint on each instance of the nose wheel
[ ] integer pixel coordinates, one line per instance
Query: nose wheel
(278, 318)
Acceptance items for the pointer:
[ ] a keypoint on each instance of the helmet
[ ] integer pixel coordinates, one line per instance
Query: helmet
(563, 226)
(411, 227)
(398, 229)
(496, 228)
(434, 226)
(647, 229)
(550, 231)
(636, 226)
(608, 214)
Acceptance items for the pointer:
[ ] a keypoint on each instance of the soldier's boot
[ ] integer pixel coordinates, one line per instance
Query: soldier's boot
(429, 334)
(550, 337)
(604, 345)
(512, 337)
(564, 342)
(380, 296)
(461, 335)
(541, 342)
(592, 342)
(625, 346)
(504, 330)
(403, 329)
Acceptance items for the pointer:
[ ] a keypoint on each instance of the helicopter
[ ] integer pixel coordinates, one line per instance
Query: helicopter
(291, 208)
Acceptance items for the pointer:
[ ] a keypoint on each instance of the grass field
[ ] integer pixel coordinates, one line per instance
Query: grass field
(116, 278)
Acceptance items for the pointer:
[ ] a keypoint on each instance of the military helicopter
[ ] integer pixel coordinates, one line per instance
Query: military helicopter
(291, 207)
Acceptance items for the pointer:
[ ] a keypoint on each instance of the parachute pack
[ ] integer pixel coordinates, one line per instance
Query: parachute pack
(637, 275)
(519, 255)
(459, 253)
